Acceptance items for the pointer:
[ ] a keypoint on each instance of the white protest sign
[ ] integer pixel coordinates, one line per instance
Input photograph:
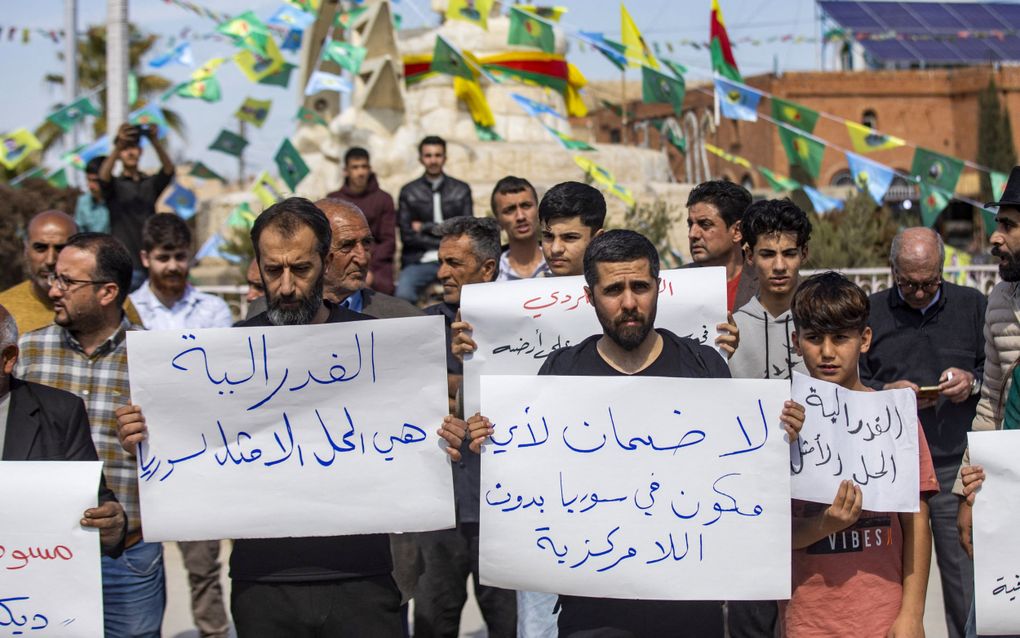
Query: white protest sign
(636, 487)
(50, 575)
(996, 521)
(293, 431)
(517, 324)
(867, 437)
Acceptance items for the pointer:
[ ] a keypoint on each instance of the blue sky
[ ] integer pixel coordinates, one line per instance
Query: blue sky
(661, 20)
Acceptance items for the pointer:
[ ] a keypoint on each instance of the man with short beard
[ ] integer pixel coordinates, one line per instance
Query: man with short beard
(621, 269)
(1002, 332)
(166, 301)
(321, 586)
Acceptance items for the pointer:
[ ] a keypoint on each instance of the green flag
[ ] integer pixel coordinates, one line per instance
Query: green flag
(292, 168)
(802, 151)
(679, 142)
(207, 89)
(936, 169)
(779, 183)
(794, 114)
(486, 134)
(447, 59)
(254, 111)
(659, 87)
(309, 116)
(989, 219)
(527, 29)
(229, 142)
(247, 31)
(241, 217)
(281, 77)
(998, 187)
(73, 113)
(933, 201)
(678, 69)
(344, 54)
(344, 19)
(132, 89)
(201, 171)
(58, 178)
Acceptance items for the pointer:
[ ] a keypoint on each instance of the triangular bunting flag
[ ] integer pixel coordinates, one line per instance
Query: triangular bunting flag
(568, 142)
(657, 87)
(675, 68)
(737, 102)
(474, 11)
(201, 171)
(936, 169)
(535, 109)
(998, 181)
(82, 155)
(257, 67)
(486, 134)
(933, 201)
(254, 111)
(241, 217)
(292, 168)
(247, 31)
(870, 176)
(729, 157)
(679, 142)
(447, 59)
(779, 183)
(182, 201)
(281, 77)
(16, 146)
(604, 177)
(802, 151)
(613, 51)
(821, 202)
(309, 116)
(344, 19)
(552, 14)
(73, 113)
(868, 140)
(794, 114)
(321, 81)
(207, 89)
(151, 114)
(290, 17)
(58, 178)
(229, 142)
(208, 69)
(180, 53)
(527, 29)
(344, 54)
(267, 189)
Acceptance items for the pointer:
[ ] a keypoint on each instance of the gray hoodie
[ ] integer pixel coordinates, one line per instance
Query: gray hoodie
(766, 347)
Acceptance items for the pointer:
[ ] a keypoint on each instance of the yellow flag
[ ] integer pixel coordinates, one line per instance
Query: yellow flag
(469, 92)
(868, 140)
(637, 51)
(208, 69)
(604, 177)
(549, 13)
(473, 11)
(256, 67)
(16, 146)
(268, 190)
(729, 157)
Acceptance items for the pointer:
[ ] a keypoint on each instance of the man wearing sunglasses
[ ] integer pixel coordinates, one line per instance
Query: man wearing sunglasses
(927, 336)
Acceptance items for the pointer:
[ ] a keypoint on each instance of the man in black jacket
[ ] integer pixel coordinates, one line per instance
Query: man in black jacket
(928, 333)
(423, 205)
(40, 423)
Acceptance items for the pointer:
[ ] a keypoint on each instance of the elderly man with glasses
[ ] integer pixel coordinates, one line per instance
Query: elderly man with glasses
(927, 336)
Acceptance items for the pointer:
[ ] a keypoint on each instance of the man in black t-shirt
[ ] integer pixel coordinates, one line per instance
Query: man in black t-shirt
(296, 587)
(131, 197)
(621, 269)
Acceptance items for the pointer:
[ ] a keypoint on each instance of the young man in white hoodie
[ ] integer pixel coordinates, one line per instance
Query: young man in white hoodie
(776, 235)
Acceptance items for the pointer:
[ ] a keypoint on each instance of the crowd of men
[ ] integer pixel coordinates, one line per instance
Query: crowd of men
(117, 266)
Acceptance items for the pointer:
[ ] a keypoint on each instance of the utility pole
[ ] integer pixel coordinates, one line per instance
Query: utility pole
(71, 69)
(117, 64)
(241, 130)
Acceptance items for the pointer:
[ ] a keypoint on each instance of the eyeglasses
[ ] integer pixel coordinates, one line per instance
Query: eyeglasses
(64, 284)
(347, 246)
(910, 287)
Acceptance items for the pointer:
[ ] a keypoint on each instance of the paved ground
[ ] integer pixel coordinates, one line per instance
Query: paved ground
(177, 621)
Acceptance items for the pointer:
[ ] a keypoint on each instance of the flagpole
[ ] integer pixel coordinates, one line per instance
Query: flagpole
(116, 64)
(71, 70)
(625, 138)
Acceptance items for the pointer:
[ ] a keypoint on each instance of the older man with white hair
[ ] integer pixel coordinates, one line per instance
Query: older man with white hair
(927, 336)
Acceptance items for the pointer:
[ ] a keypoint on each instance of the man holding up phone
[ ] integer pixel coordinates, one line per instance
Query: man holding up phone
(131, 196)
(927, 336)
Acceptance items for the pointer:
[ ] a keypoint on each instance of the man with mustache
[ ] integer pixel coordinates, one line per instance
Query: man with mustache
(1002, 333)
(166, 301)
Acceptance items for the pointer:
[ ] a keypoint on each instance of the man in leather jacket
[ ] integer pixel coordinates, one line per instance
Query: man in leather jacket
(424, 204)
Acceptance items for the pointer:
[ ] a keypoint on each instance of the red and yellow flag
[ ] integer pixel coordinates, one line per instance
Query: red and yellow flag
(723, 61)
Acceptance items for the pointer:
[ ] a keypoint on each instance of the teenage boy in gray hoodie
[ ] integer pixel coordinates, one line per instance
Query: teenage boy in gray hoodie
(776, 235)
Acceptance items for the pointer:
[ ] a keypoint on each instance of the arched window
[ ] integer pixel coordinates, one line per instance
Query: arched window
(869, 118)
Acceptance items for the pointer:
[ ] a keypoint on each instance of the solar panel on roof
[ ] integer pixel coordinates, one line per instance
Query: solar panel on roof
(931, 21)
(898, 18)
(937, 18)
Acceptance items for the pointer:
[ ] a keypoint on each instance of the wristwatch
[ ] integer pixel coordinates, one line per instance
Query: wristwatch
(975, 386)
